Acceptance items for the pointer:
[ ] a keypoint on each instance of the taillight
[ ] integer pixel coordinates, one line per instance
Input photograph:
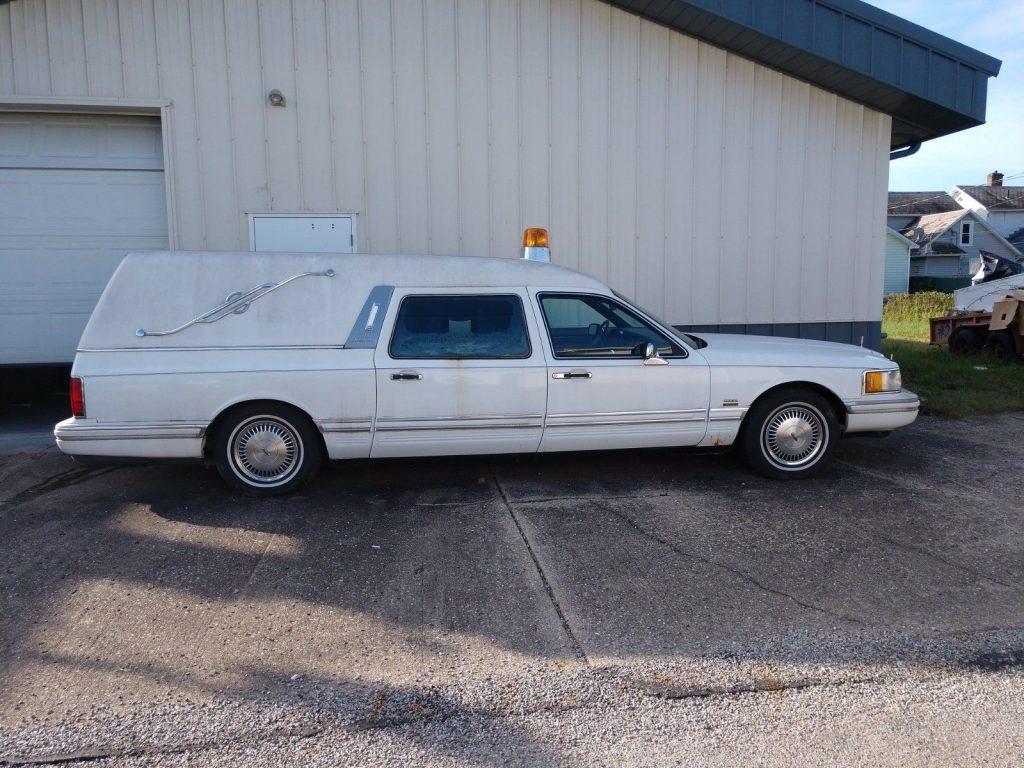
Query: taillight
(77, 398)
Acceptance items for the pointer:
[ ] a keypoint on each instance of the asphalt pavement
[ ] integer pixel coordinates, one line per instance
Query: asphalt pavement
(629, 608)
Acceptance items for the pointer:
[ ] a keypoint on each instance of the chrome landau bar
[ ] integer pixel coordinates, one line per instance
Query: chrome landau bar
(235, 304)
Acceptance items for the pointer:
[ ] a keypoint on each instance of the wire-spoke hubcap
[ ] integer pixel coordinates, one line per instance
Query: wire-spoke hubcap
(265, 451)
(794, 436)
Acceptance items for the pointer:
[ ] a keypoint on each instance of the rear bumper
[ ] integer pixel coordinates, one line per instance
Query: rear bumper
(168, 440)
(882, 412)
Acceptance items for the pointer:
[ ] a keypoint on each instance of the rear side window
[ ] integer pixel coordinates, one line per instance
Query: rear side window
(458, 327)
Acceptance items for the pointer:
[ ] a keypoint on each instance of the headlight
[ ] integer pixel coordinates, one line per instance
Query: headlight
(882, 381)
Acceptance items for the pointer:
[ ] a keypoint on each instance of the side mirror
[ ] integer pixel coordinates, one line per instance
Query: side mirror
(651, 356)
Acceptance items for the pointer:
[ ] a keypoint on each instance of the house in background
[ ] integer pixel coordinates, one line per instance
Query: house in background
(953, 228)
(1002, 207)
(949, 248)
(897, 262)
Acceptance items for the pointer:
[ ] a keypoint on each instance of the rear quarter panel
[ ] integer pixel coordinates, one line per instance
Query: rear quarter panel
(335, 387)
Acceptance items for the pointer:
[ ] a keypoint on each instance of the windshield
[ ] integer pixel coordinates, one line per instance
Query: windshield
(691, 341)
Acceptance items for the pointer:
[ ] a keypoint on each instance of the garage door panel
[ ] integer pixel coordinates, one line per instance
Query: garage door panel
(134, 146)
(18, 207)
(77, 202)
(62, 260)
(76, 193)
(80, 141)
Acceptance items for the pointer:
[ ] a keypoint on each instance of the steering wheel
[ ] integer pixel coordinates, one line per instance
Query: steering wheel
(602, 329)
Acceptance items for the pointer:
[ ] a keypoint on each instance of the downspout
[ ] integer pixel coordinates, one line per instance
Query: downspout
(906, 151)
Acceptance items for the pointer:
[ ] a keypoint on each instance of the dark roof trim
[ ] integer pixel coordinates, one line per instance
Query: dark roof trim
(931, 85)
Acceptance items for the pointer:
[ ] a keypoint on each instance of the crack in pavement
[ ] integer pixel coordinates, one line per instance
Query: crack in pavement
(577, 646)
(915, 486)
(952, 564)
(95, 754)
(760, 685)
(723, 566)
(908, 484)
(66, 479)
(424, 716)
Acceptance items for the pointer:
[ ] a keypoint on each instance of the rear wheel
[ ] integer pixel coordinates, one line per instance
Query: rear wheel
(965, 341)
(789, 433)
(1000, 345)
(266, 449)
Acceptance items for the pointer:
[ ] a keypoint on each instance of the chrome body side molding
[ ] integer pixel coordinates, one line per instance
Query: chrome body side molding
(895, 402)
(328, 426)
(727, 414)
(70, 430)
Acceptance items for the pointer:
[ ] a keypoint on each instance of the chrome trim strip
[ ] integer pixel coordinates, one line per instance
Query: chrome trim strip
(884, 408)
(234, 304)
(130, 432)
(330, 426)
(459, 418)
(904, 403)
(727, 414)
(629, 422)
(423, 427)
(601, 414)
(272, 347)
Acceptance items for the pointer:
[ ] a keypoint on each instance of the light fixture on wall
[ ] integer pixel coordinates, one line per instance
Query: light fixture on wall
(276, 98)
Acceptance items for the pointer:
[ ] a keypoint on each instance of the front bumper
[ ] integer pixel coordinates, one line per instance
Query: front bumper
(882, 412)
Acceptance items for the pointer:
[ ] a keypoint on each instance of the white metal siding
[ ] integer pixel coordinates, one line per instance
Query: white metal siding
(897, 265)
(76, 193)
(713, 189)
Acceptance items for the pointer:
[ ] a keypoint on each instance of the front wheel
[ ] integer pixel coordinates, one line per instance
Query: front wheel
(266, 449)
(789, 434)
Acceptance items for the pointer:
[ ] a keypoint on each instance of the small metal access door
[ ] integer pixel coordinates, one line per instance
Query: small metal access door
(303, 233)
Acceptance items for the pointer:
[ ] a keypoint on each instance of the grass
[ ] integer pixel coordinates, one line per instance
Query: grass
(950, 385)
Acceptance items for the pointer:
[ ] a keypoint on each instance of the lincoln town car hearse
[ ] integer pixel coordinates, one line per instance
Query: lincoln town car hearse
(267, 365)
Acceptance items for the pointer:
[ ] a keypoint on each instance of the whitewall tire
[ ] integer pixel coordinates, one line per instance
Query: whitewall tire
(266, 449)
(789, 433)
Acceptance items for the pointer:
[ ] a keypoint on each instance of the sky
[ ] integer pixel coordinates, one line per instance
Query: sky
(995, 27)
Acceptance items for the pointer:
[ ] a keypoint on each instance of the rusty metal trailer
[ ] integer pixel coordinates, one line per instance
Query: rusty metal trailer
(999, 332)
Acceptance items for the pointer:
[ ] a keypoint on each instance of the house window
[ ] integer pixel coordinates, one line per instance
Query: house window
(967, 233)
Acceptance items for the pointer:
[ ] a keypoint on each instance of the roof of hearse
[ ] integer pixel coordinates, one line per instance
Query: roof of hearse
(162, 290)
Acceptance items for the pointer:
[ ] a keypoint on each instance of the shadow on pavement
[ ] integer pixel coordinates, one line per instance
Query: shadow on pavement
(398, 580)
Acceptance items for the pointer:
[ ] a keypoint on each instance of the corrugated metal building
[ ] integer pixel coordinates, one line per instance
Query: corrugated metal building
(724, 162)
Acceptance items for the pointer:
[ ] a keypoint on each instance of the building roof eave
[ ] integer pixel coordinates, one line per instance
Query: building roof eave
(931, 85)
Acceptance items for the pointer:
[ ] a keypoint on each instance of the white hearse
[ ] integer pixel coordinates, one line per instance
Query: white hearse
(267, 365)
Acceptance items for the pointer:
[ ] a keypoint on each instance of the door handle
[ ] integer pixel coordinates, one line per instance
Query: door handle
(406, 376)
(575, 373)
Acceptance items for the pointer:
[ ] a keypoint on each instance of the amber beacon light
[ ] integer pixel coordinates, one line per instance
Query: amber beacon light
(535, 244)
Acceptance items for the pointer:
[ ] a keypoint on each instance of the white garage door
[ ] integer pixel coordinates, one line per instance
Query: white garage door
(76, 193)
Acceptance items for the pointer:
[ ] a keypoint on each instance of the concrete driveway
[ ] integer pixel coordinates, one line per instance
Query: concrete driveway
(616, 608)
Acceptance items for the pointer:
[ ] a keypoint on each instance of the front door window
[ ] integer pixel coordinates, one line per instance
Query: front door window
(584, 326)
